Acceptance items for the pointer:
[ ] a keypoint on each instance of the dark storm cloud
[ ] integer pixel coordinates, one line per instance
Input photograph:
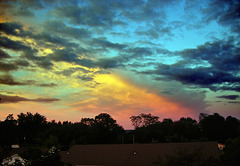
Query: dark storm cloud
(229, 97)
(15, 29)
(4, 55)
(223, 55)
(13, 45)
(10, 28)
(234, 87)
(224, 65)
(16, 99)
(225, 12)
(213, 65)
(200, 76)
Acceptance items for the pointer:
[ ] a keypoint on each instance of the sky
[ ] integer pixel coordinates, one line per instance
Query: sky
(75, 59)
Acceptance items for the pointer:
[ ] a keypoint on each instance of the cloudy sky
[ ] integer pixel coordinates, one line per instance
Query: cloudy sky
(74, 59)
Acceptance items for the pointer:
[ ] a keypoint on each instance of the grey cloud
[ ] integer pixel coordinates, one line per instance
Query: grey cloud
(13, 45)
(104, 13)
(87, 15)
(201, 76)
(159, 29)
(108, 63)
(46, 85)
(21, 8)
(85, 78)
(225, 12)
(104, 43)
(229, 97)
(16, 99)
(139, 52)
(37, 4)
(67, 55)
(70, 71)
(234, 102)
(44, 38)
(126, 57)
(16, 29)
(24, 11)
(41, 61)
(62, 29)
(44, 63)
(4, 55)
(11, 28)
(7, 79)
(21, 62)
(7, 66)
(213, 65)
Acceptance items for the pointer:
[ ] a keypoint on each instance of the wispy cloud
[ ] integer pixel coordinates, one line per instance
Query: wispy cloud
(16, 99)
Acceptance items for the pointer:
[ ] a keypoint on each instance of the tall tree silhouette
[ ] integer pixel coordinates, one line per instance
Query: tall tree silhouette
(8, 129)
(213, 126)
(107, 129)
(29, 125)
(144, 120)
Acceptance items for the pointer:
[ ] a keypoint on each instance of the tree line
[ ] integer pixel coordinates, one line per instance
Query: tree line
(214, 127)
(33, 130)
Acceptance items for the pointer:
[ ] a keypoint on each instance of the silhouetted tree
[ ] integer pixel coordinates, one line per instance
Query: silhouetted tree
(186, 129)
(213, 126)
(143, 120)
(30, 125)
(8, 130)
(87, 121)
(232, 127)
(106, 129)
(153, 132)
